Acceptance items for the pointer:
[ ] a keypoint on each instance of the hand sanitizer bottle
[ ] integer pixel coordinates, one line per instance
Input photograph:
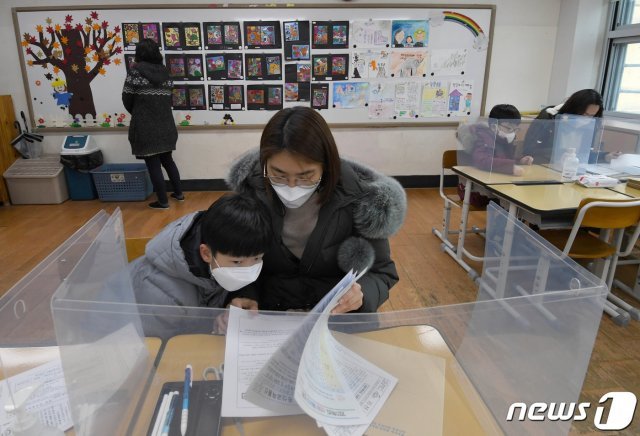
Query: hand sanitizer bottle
(570, 166)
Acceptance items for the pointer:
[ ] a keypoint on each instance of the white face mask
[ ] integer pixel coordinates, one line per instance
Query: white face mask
(294, 197)
(236, 277)
(509, 137)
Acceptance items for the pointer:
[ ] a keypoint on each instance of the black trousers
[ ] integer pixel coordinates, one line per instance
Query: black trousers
(154, 165)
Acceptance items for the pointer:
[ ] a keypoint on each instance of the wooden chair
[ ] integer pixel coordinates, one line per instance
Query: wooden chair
(135, 247)
(450, 160)
(580, 243)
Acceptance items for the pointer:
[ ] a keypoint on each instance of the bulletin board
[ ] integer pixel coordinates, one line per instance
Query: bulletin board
(359, 65)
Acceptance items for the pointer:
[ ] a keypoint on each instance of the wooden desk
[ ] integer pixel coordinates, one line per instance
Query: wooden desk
(624, 189)
(464, 411)
(550, 205)
(20, 359)
(480, 177)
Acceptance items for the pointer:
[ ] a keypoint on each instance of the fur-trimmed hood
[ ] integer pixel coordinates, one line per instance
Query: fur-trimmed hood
(380, 203)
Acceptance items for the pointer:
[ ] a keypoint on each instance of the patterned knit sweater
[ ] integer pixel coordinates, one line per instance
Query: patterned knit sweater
(147, 96)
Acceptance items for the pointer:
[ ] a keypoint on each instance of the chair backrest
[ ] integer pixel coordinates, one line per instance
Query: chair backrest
(449, 159)
(135, 247)
(608, 214)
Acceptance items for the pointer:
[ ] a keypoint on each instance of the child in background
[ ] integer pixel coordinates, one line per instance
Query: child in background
(491, 146)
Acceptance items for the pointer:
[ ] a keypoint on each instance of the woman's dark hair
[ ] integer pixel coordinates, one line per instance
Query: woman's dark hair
(579, 101)
(236, 225)
(303, 131)
(148, 51)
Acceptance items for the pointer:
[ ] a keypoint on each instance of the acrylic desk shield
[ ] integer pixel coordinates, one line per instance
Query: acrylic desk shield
(488, 158)
(582, 134)
(103, 353)
(460, 367)
(531, 333)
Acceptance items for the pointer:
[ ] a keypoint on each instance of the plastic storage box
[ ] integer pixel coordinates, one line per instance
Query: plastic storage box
(122, 182)
(36, 181)
(78, 151)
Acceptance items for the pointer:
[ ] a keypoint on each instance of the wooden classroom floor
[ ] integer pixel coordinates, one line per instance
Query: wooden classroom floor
(428, 277)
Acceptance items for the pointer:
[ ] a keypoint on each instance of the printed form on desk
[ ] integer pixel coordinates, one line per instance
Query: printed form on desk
(276, 365)
(49, 402)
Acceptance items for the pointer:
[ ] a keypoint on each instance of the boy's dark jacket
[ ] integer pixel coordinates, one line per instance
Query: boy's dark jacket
(352, 230)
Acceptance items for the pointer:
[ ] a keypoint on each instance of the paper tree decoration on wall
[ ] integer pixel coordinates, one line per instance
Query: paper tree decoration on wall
(73, 54)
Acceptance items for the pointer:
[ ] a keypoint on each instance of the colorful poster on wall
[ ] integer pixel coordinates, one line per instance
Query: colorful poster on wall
(264, 97)
(263, 66)
(133, 33)
(447, 62)
(407, 98)
(330, 67)
(381, 100)
(226, 97)
(460, 97)
(262, 34)
(330, 34)
(224, 66)
(409, 64)
(434, 99)
(350, 95)
(370, 33)
(297, 82)
(222, 35)
(410, 33)
(320, 95)
(296, 40)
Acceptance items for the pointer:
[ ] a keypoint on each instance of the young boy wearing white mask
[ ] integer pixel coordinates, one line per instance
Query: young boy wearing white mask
(202, 258)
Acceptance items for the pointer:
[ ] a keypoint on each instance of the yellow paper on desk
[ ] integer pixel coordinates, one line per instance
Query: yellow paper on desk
(596, 181)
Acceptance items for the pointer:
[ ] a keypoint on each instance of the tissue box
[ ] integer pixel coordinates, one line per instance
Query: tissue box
(597, 181)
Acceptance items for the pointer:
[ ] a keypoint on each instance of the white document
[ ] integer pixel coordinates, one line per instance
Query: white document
(265, 371)
(251, 341)
(49, 402)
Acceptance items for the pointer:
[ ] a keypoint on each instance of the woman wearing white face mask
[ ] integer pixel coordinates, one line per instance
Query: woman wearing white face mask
(202, 258)
(329, 215)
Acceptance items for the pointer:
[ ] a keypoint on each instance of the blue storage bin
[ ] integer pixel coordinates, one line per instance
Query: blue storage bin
(80, 185)
(122, 182)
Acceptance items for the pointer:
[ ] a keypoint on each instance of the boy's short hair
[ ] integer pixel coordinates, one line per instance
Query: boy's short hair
(236, 225)
(505, 112)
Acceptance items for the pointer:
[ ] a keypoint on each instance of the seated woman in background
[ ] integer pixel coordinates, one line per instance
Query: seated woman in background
(329, 215)
(540, 136)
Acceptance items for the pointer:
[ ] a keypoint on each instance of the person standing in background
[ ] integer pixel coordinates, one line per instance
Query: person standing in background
(152, 131)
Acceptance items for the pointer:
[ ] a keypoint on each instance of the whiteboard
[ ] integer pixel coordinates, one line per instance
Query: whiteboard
(358, 65)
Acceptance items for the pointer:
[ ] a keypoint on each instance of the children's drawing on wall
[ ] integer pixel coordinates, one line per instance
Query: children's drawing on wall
(409, 64)
(480, 40)
(71, 55)
(350, 95)
(460, 97)
(410, 33)
(370, 65)
(60, 94)
(381, 100)
(407, 97)
(371, 33)
(434, 99)
(450, 61)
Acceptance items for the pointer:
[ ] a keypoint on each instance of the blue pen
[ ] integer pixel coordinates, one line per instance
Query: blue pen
(167, 422)
(185, 400)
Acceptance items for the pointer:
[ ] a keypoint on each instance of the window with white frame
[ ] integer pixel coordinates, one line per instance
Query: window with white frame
(621, 79)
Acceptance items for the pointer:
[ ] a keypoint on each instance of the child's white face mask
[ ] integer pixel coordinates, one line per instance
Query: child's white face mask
(235, 277)
(509, 137)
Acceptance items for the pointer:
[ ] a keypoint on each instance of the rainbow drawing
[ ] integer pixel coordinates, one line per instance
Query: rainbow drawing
(464, 20)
